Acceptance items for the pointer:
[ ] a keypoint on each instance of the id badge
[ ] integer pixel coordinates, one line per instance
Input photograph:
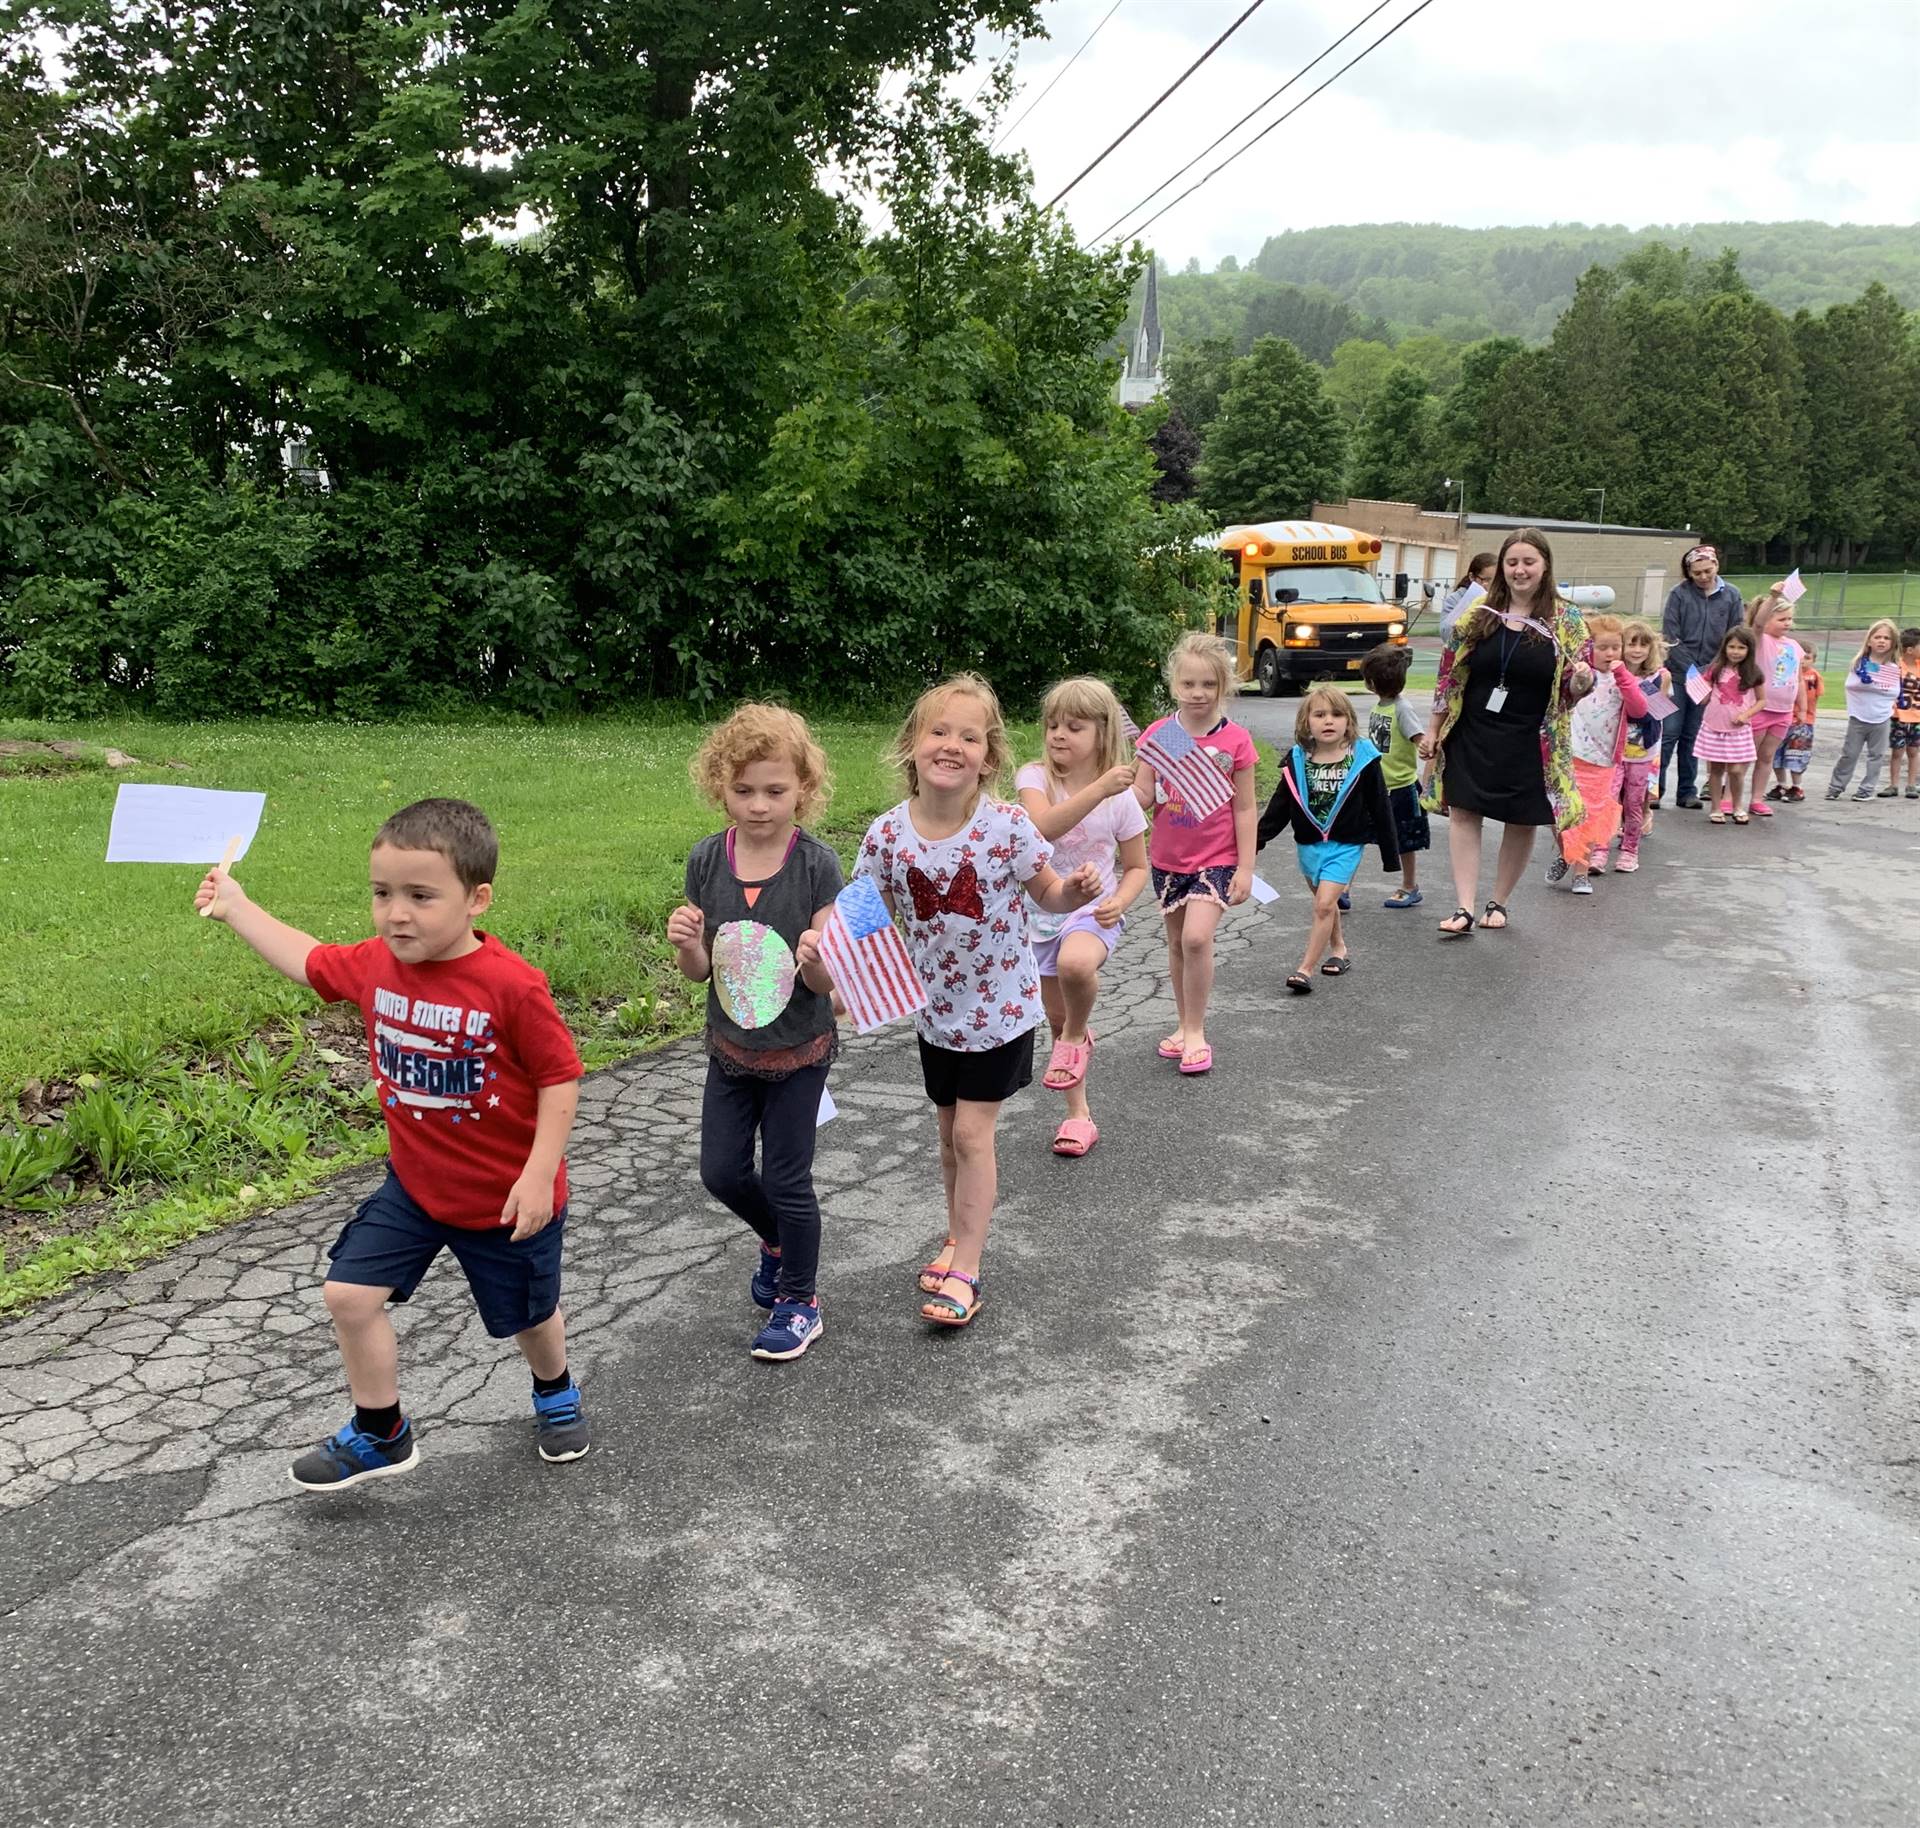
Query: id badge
(1496, 699)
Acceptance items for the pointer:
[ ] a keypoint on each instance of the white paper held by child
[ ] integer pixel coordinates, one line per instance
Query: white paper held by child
(181, 824)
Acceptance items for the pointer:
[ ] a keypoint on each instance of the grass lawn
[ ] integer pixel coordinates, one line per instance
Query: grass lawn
(1843, 600)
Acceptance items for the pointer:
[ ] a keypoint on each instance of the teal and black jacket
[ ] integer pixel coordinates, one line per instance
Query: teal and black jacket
(1362, 812)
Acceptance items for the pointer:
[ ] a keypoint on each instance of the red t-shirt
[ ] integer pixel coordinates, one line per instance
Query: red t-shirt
(460, 1049)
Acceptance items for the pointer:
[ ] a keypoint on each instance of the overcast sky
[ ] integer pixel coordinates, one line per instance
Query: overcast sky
(1484, 112)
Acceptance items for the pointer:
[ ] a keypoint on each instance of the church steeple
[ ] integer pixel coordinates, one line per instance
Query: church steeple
(1141, 379)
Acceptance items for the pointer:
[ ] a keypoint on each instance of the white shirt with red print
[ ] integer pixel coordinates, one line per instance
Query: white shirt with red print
(962, 905)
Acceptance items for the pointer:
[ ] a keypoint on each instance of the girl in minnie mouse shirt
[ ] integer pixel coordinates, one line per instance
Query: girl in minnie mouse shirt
(956, 867)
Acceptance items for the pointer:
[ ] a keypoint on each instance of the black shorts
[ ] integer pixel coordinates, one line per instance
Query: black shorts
(1410, 828)
(984, 1078)
(390, 1243)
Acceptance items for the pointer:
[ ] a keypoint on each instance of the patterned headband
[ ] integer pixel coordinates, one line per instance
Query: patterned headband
(1699, 552)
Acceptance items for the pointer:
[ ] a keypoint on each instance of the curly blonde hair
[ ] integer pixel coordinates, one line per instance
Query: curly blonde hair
(763, 733)
(927, 706)
(1090, 701)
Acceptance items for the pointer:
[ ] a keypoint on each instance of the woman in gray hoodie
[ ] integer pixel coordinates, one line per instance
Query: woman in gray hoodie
(1698, 614)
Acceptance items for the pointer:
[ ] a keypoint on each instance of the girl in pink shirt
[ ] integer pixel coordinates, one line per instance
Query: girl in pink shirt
(1770, 616)
(1201, 866)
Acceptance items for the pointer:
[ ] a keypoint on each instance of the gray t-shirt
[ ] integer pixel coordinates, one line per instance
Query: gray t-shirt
(757, 1002)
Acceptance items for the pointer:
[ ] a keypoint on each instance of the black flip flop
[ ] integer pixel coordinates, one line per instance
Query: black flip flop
(1465, 932)
(1337, 967)
(1300, 984)
(1495, 907)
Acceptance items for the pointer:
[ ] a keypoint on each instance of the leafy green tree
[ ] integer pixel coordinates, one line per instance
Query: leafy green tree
(1278, 444)
(1858, 364)
(1197, 379)
(1354, 378)
(1393, 452)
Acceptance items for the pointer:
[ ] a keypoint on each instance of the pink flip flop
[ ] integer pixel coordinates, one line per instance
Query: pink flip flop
(1066, 1065)
(1199, 1061)
(1171, 1050)
(1076, 1136)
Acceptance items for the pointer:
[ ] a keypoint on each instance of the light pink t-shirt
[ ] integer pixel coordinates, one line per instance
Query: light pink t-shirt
(1096, 839)
(1779, 671)
(983, 987)
(1181, 843)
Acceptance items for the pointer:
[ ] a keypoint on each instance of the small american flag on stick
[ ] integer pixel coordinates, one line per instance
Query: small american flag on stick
(1186, 768)
(867, 959)
(1128, 728)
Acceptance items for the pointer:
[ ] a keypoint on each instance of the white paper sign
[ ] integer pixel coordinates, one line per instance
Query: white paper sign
(828, 1109)
(1793, 589)
(180, 824)
(1264, 891)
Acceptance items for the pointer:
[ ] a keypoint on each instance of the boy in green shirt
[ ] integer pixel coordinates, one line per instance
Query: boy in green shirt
(1393, 727)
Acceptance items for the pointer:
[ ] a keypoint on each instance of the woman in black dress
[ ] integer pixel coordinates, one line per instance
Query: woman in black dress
(1499, 728)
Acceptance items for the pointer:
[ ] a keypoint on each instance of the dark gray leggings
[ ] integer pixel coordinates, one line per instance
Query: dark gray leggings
(777, 1200)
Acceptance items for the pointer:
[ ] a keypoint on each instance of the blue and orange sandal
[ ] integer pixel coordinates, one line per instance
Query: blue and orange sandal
(958, 1314)
(931, 1274)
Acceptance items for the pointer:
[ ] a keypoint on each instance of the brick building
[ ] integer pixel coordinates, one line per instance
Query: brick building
(1641, 564)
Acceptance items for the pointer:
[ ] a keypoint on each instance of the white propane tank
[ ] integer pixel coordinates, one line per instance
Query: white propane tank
(1588, 596)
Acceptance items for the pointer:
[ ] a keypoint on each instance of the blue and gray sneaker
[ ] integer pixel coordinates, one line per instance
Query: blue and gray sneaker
(563, 1424)
(765, 1286)
(791, 1329)
(353, 1455)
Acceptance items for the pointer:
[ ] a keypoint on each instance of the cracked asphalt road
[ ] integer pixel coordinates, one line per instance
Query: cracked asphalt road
(1491, 1397)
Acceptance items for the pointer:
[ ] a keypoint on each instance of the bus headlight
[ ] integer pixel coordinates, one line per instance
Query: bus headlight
(1302, 631)
(1396, 628)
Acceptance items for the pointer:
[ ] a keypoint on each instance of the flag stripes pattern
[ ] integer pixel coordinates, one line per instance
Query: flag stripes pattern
(1186, 768)
(867, 959)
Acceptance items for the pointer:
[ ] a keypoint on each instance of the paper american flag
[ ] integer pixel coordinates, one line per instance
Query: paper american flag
(867, 959)
(1186, 768)
(1128, 728)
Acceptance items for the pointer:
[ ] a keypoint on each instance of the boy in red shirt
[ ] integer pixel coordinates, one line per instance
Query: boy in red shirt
(479, 1081)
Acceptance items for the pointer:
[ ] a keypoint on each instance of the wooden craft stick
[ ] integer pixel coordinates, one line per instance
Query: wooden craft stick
(226, 863)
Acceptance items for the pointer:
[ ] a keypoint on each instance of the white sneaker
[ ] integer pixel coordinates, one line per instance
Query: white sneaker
(1557, 869)
(1583, 885)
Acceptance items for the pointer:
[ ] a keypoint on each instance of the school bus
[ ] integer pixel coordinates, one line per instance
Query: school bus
(1308, 603)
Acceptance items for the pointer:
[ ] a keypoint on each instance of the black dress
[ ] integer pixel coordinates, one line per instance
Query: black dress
(1492, 763)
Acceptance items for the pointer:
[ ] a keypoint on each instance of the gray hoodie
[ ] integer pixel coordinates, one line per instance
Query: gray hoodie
(1695, 625)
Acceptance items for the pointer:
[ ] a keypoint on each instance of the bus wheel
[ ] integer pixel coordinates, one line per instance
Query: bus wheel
(1266, 672)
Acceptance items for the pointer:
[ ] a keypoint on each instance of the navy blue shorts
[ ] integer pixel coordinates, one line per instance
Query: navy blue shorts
(1410, 828)
(390, 1243)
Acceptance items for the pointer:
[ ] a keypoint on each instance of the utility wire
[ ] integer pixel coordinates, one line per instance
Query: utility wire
(1188, 71)
(1064, 68)
(1168, 183)
(1142, 228)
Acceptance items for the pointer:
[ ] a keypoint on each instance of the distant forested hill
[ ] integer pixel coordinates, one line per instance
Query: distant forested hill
(1517, 281)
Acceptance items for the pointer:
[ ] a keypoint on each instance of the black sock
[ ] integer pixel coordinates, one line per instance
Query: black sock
(381, 1423)
(552, 1386)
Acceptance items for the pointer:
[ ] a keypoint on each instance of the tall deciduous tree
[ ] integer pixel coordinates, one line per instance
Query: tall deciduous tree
(1278, 444)
(1393, 452)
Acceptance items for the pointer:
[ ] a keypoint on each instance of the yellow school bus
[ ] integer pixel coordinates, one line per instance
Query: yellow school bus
(1308, 602)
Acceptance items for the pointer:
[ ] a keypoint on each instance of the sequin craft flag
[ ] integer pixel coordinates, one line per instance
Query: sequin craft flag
(1186, 768)
(867, 959)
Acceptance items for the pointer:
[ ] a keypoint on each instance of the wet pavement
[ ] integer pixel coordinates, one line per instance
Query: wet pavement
(1491, 1396)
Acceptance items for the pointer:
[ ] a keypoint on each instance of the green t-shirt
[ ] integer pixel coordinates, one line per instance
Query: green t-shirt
(1393, 727)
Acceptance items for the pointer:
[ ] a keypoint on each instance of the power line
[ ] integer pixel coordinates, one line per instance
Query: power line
(1188, 71)
(1142, 228)
(1064, 68)
(1167, 183)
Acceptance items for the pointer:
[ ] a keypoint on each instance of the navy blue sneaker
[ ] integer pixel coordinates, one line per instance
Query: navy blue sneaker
(794, 1326)
(563, 1424)
(352, 1456)
(1346, 902)
(765, 1286)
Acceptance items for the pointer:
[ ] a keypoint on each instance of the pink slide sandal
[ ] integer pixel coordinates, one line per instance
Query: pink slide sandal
(1076, 1136)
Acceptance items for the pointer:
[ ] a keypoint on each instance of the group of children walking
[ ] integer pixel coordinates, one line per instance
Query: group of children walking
(1008, 910)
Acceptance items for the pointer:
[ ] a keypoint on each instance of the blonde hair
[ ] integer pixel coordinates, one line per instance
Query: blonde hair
(1765, 604)
(1607, 625)
(763, 733)
(1324, 695)
(1092, 701)
(1893, 632)
(926, 707)
(1197, 644)
(1656, 642)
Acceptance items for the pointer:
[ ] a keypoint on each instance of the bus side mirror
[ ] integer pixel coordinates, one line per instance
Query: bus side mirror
(1400, 583)
(1286, 594)
(1256, 591)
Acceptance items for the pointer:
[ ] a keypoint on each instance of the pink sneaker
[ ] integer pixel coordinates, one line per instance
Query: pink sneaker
(1597, 862)
(1760, 810)
(1627, 865)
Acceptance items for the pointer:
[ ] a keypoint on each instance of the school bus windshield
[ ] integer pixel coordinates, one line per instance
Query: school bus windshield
(1323, 584)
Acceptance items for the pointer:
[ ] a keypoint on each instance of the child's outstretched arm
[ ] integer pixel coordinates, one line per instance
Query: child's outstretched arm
(1055, 818)
(285, 948)
(1062, 894)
